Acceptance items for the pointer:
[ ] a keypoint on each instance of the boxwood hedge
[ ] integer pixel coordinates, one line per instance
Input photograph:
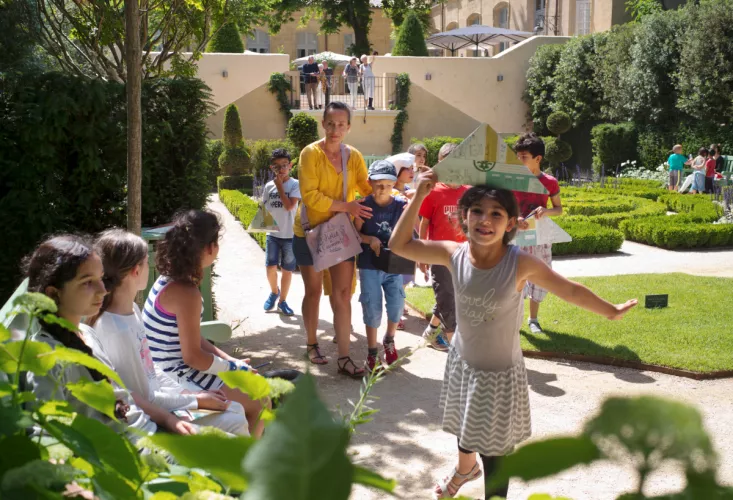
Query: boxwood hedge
(677, 231)
(588, 238)
(243, 208)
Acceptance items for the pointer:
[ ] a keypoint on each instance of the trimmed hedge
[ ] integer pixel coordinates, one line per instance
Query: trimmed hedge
(696, 207)
(588, 238)
(608, 211)
(234, 182)
(243, 208)
(677, 231)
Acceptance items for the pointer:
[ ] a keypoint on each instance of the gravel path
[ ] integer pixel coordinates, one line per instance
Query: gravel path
(405, 440)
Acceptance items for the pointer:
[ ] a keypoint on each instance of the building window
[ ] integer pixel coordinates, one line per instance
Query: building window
(473, 20)
(348, 41)
(307, 44)
(259, 42)
(582, 17)
(501, 20)
(539, 15)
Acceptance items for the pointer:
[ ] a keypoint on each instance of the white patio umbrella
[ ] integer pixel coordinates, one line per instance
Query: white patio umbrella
(477, 35)
(331, 56)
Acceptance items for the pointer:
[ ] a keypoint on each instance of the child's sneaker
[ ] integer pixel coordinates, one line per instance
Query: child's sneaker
(440, 343)
(534, 326)
(390, 351)
(435, 339)
(270, 302)
(372, 359)
(285, 308)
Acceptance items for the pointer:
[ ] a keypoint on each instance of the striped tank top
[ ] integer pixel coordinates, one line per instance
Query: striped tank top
(161, 329)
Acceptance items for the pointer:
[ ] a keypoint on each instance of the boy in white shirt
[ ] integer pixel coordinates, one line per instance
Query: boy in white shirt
(280, 197)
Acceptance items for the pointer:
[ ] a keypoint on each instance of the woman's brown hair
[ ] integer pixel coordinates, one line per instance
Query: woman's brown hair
(179, 253)
(120, 252)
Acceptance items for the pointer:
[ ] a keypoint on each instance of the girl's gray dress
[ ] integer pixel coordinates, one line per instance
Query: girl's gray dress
(485, 399)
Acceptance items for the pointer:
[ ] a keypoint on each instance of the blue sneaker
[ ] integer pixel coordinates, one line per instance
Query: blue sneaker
(440, 343)
(270, 302)
(285, 308)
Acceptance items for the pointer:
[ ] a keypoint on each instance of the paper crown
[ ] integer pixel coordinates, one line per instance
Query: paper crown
(484, 158)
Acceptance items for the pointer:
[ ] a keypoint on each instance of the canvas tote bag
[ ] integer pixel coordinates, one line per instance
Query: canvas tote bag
(335, 240)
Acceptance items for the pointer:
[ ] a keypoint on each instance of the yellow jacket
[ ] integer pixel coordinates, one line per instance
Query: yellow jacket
(320, 185)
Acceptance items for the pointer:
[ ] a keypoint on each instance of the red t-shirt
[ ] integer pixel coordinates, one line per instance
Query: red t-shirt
(710, 167)
(441, 208)
(530, 201)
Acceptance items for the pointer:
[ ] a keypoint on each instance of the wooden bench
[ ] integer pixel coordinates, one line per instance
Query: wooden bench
(216, 331)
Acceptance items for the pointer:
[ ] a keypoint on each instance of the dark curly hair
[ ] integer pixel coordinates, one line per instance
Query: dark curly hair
(531, 143)
(179, 253)
(120, 251)
(504, 197)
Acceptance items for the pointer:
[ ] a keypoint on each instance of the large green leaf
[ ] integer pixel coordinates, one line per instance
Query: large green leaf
(40, 474)
(221, 456)
(99, 395)
(110, 447)
(35, 303)
(4, 333)
(252, 384)
(23, 451)
(303, 453)
(372, 479)
(33, 357)
(74, 440)
(56, 408)
(646, 430)
(12, 420)
(77, 357)
(108, 485)
(545, 458)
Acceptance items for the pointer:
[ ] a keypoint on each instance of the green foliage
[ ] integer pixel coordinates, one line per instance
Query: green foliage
(63, 158)
(614, 61)
(698, 207)
(399, 10)
(227, 39)
(262, 151)
(214, 149)
(411, 39)
(232, 130)
(540, 91)
(557, 151)
(235, 161)
(403, 99)
(279, 84)
(588, 238)
(608, 207)
(613, 144)
(576, 91)
(678, 232)
(558, 123)
(433, 145)
(243, 208)
(235, 182)
(302, 130)
(707, 57)
(640, 8)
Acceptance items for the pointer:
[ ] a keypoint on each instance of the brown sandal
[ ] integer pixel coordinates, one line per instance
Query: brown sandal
(357, 374)
(319, 359)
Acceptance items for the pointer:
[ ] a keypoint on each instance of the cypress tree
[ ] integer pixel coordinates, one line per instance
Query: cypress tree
(411, 39)
(234, 160)
(226, 40)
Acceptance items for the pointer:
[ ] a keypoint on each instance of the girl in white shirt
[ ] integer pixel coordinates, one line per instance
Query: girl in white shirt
(120, 330)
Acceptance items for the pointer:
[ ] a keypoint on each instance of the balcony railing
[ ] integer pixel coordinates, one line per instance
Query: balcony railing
(309, 94)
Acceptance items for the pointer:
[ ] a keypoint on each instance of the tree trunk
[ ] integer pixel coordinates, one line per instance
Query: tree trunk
(361, 39)
(133, 61)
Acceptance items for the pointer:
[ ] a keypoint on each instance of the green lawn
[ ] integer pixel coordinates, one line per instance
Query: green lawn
(695, 332)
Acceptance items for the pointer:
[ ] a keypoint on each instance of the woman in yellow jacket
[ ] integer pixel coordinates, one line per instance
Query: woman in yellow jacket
(320, 173)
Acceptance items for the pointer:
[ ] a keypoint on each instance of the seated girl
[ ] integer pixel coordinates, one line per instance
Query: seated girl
(66, 269)
(119, 329)
(173, 312)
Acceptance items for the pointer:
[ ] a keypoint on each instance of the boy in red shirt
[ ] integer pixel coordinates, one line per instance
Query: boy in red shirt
(439, 213)
(530, 150)
(710, 165)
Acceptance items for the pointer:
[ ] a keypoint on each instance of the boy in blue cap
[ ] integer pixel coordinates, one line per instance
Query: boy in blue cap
(375, 234)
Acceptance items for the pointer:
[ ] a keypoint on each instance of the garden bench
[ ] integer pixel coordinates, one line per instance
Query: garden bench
(216, 331)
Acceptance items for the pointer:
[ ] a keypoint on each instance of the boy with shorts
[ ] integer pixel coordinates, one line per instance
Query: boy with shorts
(439, 212)
(280, 197)
(676, 162)
(530, 150)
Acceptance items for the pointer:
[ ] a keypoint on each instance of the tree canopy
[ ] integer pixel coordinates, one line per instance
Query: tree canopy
(411, 39)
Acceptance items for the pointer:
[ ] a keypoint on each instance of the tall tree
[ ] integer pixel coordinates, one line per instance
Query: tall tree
(411, 40)
(332, 15)
(128, 40)
(397, 10)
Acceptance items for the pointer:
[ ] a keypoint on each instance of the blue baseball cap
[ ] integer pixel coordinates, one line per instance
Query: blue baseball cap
(382, 170)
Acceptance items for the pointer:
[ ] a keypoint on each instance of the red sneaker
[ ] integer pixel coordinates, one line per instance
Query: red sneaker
(372, 361)
(390, 351)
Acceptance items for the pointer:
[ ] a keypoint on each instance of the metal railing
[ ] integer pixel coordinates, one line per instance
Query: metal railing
(378, 92)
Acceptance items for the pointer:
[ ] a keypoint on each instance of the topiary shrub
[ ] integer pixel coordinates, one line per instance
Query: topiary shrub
(302, 130)
(227, 39)
(559, 122)
(588, 238)
(234, 160)
(411, 39)
(557, 151)
(613, 144)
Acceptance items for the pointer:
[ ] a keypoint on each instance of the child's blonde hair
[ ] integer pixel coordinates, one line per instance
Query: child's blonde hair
(676, 146)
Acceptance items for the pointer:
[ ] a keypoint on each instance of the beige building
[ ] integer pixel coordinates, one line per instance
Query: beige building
(543, 17)
(298, 41)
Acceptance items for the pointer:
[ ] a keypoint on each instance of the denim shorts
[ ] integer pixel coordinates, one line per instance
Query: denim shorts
(698, 182)
(279, 252)
(373, 282)
(302, 253)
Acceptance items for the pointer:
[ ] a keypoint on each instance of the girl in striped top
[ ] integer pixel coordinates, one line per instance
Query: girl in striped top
(173, 312)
